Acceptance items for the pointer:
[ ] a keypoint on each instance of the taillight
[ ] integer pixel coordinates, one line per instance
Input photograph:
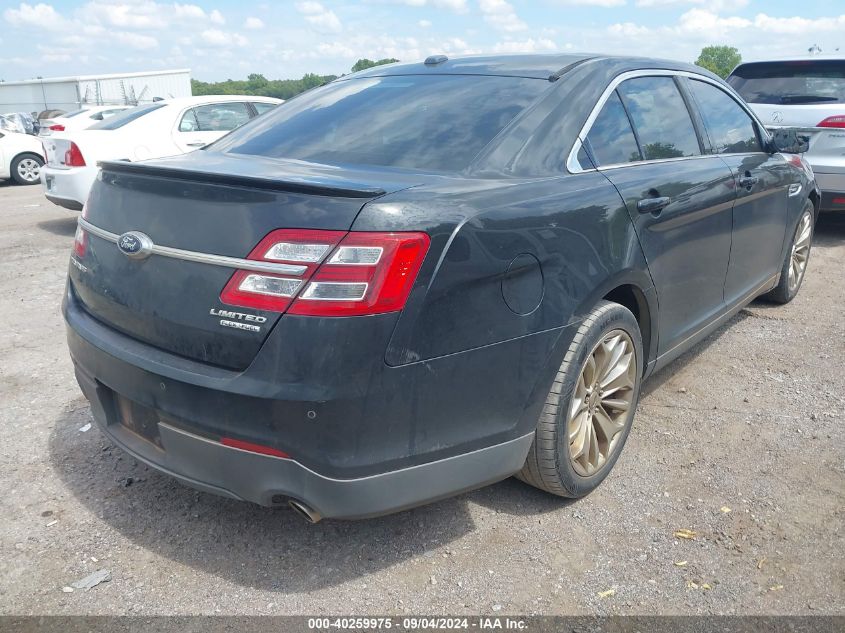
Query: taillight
(837, 121)
(80, 242)
(269, 291)
(73, 157)
(57, 128)
(345, 274)
(368, 273)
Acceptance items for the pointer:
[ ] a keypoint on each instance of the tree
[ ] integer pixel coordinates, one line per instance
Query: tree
(362, 64)
(720, 60)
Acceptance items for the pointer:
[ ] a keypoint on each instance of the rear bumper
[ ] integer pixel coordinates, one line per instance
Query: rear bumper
(360, 445)
(68, 188)
(209, 466)
(832, 186)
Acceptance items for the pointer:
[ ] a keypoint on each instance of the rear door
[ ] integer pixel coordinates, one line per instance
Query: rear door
(204, 124)
(762, 182)
(679, 198)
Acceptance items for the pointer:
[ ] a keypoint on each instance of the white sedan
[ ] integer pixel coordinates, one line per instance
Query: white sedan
(163, 128)
(80, 119)
(21, 157)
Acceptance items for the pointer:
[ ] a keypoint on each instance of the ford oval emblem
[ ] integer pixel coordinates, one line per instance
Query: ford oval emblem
(135, 244)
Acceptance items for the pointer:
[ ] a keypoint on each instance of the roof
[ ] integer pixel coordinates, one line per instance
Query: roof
(539, 66)
(55, 80)
(797, 58)
(187, 101)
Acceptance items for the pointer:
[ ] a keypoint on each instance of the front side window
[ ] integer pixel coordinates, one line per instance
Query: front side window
(660, 117)
(429, 122)
(730, 128)
(611, 140)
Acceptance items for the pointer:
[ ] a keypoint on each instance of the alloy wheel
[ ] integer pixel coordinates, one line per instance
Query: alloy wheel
(800, 251)
(29, 170)
(603, 397)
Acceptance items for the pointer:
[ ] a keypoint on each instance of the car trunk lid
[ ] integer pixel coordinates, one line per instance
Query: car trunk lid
(202, 210)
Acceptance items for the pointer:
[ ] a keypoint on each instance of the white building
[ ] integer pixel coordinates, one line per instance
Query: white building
(70, 93)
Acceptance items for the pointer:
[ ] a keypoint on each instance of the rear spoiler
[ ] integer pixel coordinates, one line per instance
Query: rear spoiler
(346, 190)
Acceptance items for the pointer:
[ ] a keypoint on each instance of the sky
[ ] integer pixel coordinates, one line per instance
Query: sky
(232, 38)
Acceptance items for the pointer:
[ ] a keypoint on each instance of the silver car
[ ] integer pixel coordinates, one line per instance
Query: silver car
(806, 93)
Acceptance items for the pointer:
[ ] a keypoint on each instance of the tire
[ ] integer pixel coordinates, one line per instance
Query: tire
(788, 286)
(26, 169)
(550, 465)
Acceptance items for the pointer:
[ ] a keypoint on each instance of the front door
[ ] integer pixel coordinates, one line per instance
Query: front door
(679, 199)
(762, 182)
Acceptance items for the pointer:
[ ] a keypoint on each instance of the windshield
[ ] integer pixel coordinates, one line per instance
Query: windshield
(795, 82)
(434, 122)
(127, 116)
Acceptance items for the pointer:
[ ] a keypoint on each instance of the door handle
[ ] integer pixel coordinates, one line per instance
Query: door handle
(748, 181)
(653, 205)
(197, 144)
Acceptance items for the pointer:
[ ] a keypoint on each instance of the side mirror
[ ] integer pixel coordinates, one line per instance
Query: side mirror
(790, 141)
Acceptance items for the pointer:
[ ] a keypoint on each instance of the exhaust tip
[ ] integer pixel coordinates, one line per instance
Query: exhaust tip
(310, 515)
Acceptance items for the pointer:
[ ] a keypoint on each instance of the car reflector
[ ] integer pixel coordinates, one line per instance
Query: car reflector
(253, 448)
(292, 252)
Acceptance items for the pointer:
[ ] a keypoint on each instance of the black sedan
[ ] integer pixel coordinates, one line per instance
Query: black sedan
(423, 278)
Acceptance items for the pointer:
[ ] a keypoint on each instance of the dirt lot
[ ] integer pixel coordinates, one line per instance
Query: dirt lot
(742, 441)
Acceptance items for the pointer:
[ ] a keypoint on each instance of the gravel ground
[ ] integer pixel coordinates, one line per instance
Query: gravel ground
(740, 441)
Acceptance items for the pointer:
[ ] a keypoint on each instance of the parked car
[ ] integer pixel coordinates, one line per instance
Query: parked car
(806, 93)
(423, 278)
(162, 128)
(21, 157)
(80, 119)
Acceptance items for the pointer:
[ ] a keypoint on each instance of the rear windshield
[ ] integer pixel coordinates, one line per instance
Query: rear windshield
(70, 115)
(127, 116)
(432, 123)
(795, 82)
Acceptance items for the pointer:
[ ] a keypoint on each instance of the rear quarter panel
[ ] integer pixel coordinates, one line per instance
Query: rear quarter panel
(572, 234)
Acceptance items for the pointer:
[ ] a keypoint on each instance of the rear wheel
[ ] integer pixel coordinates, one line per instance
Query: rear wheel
(797, 257)
(590, 407)
(26, 169)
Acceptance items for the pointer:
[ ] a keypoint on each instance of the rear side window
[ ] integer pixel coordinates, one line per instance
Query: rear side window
(261, 107)
(611, 140)
(730, 128)
(660, 117)
(429, 122)
(127, 116)
(795, 82)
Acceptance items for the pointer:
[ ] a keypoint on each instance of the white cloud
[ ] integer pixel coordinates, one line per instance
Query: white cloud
(501, 16)
(712, 5)
(137, 41)
(458, 6)
(424, 24)
(220, 38)
(40, 15)
(322, 19)
(530, 45)
(253, 24)
(595, 3)
(217, 17)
